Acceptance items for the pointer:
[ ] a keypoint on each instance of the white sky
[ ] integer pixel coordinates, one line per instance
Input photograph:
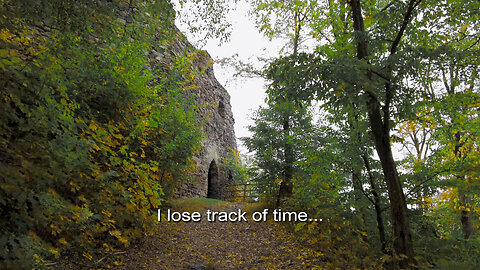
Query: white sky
(246, 94)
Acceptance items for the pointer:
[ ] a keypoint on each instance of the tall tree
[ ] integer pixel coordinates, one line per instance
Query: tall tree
(269, 141)
(384, 42)
(380, 126)
(290, 17)
(449, 83)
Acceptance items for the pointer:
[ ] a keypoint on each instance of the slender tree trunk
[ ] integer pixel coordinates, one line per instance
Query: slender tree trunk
(465, 215)
(464, 200)
(358, 188)
(378, 211)
(357, 193)
(380, 127)
(377, 205)
(402, 241)
(286, 187)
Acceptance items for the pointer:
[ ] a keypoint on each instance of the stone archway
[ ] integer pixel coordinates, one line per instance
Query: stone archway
(213, 183)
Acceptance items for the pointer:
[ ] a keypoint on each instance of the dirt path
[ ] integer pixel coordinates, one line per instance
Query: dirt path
(221, 245)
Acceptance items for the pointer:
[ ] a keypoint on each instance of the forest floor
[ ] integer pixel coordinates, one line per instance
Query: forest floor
(221, 245)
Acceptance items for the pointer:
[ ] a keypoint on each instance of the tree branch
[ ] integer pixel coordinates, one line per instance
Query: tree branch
(406, 19)
(388, 87)
(387, 6)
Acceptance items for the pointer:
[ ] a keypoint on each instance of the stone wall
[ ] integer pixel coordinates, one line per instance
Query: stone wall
(211, 178)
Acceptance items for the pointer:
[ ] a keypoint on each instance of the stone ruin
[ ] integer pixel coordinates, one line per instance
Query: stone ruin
(211, 179)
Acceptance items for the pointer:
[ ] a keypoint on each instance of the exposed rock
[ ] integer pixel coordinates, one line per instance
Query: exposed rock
(211, 178)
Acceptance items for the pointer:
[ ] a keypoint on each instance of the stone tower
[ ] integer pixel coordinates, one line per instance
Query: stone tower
(211, 178)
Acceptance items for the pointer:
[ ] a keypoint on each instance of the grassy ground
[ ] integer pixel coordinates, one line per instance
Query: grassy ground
(195, 204)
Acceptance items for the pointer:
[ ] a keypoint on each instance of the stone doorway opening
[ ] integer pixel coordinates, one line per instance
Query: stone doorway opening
(213, 189)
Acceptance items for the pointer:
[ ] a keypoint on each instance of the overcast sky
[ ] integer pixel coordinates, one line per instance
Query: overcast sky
(246, 94)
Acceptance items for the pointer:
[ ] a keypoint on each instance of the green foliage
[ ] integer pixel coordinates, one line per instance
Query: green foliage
(284, 19)
(206, 19)
(269, 141)
(450, 253)
(91, 131)
(420, 68)
(235, 166)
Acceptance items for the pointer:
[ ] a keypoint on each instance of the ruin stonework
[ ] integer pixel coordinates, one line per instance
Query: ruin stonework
(211, 179)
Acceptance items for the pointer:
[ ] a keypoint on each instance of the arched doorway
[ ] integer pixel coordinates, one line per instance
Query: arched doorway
(213, 190)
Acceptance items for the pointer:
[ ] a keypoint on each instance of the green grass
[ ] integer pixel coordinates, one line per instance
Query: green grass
(207, 201)
(195, 204)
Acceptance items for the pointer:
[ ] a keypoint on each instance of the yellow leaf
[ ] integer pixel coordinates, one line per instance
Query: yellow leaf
(93, 126)
(106, 148)
(95, 146)
(115, 233)
(106, 213)
(62, 241)
(87, 255)
(123, 240)
(55, 252)
(130, 207)
(118, 136)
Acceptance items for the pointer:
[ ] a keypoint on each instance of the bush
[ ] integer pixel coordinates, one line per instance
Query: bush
(90, 130)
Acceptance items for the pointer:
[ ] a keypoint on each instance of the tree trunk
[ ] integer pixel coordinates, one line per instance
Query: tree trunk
(377, 205)
(464, 200)
(465, 215)
(357, 193)
(402, 241)
(286, 187)
(378, 211)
